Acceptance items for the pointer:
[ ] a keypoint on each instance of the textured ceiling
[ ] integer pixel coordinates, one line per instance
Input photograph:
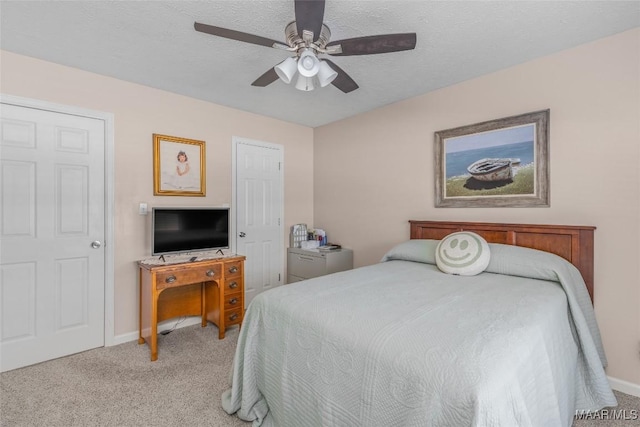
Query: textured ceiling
(153, 43)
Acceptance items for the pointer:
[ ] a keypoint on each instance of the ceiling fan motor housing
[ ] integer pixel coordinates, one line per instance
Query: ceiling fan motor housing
(296, 41)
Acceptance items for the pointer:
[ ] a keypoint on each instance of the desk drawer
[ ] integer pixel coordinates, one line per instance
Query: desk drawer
(167, 279)
(233, 317)
(232, 269)
(232, 285)
(232, 301)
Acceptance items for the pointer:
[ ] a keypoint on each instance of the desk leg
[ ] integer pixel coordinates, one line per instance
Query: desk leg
(149, 313)
(203, 307)
(221, 325)
(214, 304)
(140, 339)
(154, 327)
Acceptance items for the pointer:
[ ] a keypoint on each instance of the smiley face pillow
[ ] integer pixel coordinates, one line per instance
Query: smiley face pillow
(463, 253)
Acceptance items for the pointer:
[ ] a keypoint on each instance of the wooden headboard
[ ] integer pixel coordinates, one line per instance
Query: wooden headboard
(573, 243)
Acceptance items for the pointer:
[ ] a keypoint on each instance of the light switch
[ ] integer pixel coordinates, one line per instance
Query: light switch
(143, 209)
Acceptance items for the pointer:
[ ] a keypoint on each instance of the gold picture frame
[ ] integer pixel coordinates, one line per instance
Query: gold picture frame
(178, 166)
(499, 163)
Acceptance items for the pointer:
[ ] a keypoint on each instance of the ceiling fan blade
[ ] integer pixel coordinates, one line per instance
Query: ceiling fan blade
(309, 16)
(369, 45)
(342, 81)
(237, 35)
(266, 79)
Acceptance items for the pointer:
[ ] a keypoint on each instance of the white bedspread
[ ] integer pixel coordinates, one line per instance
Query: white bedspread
(402, 344)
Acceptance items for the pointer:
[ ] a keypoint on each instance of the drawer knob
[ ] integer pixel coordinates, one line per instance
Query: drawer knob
(233, 317)
(170, 279)
(210, 273)
(233, 301)
(233, 285)
(233, 269)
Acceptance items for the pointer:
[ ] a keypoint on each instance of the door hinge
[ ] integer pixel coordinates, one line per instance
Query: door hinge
(278, 221)
(279, 165)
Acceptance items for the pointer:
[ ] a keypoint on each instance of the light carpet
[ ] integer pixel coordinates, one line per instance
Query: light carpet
(120, 386)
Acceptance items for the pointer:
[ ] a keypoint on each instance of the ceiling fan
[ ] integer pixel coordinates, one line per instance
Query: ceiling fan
(307, 37)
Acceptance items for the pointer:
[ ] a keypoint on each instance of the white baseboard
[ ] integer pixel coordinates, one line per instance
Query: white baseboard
(169, 324)
(624, 386)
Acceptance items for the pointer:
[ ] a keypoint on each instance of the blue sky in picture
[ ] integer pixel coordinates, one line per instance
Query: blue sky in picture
(492, 138)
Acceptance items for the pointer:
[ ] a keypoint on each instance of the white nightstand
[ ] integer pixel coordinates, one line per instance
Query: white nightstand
(307, 263)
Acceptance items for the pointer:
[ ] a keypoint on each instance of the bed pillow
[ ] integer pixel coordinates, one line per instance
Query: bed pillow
(463, 253)
(416, 250)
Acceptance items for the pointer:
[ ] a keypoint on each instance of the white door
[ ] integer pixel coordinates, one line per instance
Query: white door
(258, 214)
(52, 229)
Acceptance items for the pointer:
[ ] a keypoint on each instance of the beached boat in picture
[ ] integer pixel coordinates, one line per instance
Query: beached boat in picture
(492, 169)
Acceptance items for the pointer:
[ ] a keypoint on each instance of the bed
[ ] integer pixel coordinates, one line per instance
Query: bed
(400, 343)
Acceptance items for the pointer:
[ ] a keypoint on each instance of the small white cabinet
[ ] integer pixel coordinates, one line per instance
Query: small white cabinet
(308, 263)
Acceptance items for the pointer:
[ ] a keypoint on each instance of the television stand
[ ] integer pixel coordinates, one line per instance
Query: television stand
(211, 288)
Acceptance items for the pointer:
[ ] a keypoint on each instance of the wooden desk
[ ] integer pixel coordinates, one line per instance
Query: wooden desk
(212, 288)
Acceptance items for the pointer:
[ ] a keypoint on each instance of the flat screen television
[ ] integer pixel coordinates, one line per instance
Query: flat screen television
(179, 230)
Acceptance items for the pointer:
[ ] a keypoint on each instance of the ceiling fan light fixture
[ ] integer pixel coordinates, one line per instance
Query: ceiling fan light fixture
(308, 63)
(287, 69)
(305, 84)
(307, 36)
(326, 74)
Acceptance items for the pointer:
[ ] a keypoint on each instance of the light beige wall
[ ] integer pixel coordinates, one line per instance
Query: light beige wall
(373, 172)
(139, 112)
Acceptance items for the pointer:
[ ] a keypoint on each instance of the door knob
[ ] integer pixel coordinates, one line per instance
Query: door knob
(96, 244)
(242, 234)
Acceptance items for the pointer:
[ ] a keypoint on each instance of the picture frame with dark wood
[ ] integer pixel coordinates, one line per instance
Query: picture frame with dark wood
(178, 166)
(497, 163)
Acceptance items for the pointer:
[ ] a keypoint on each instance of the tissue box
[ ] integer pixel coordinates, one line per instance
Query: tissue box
(309, 244)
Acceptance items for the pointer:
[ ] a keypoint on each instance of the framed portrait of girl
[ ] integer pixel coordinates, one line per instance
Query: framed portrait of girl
(178, 166)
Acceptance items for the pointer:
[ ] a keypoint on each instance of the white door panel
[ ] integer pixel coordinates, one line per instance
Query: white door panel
(51, 210)
(259, 207)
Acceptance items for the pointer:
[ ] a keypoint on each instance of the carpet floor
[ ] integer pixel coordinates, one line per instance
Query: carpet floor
(120, 386)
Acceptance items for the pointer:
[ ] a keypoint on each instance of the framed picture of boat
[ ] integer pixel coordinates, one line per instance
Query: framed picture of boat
(498, 163)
